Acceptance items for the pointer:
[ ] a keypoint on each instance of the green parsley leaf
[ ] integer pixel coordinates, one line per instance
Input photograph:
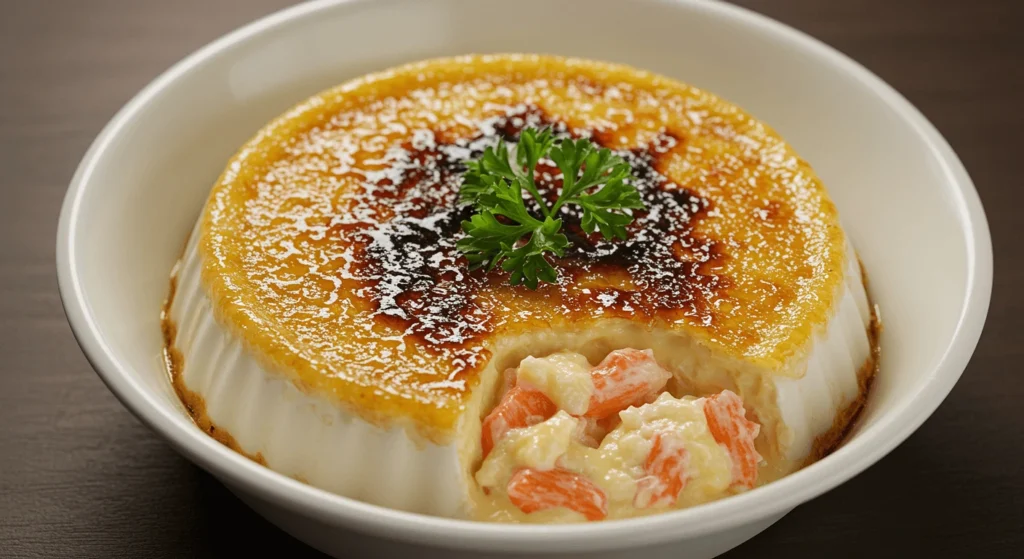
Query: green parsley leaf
(503, 231)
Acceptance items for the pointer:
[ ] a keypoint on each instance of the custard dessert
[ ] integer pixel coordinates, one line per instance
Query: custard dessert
(358, 308)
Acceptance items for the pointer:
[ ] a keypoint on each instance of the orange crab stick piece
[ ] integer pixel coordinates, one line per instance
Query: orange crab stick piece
(729, 426)
(666, 468)
(520, 407)
(626, 377)
(533, 490)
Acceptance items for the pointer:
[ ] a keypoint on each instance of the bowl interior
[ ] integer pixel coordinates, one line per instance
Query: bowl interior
(905, 201)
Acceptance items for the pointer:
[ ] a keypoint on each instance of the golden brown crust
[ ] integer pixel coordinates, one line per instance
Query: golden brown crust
(328, 242)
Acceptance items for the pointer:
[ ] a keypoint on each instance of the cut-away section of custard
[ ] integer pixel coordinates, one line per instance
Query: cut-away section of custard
(570, 441)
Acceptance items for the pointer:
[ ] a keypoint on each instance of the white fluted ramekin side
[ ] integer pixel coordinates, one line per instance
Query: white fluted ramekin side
(301, 435)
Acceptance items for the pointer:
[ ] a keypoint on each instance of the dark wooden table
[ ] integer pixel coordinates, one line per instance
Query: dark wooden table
(80, 477)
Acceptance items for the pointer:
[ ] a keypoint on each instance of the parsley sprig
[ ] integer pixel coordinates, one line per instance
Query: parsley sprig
(503, 232)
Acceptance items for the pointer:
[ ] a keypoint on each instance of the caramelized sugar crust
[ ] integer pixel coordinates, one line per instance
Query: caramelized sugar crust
(329, 240)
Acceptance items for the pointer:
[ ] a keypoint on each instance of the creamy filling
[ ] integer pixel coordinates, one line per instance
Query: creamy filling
(562, 377)
(569, 442)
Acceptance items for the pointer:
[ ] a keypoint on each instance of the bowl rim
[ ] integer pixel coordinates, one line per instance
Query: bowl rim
(773, 499)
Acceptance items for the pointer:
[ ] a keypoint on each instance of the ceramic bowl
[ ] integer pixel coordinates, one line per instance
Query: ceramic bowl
(906, 201)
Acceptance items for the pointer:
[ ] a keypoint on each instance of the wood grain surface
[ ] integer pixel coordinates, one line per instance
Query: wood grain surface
(80, 477)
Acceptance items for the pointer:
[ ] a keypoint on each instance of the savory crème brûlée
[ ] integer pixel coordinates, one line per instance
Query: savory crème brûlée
(521, 288)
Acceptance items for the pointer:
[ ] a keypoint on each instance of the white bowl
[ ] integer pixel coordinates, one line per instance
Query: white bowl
(906, 200)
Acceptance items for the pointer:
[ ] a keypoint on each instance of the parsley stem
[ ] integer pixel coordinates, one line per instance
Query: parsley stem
(568, 184)
(567, 187)
(526, 178)
(558, 204)
(532, 188)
